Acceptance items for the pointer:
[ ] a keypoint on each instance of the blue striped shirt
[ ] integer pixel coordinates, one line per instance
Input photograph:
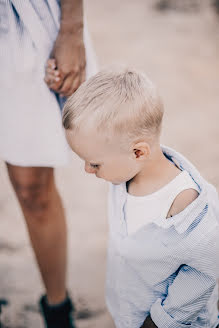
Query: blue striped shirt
(168, 269)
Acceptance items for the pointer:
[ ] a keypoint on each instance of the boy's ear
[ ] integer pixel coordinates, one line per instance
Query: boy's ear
(141, 150)
(138, 153)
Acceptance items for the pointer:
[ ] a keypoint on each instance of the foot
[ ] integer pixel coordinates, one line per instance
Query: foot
(57, 316)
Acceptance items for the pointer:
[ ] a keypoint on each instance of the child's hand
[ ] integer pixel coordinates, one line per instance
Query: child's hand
(53, 77)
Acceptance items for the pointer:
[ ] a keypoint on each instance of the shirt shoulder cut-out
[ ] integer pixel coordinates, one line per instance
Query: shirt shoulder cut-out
(182, 200)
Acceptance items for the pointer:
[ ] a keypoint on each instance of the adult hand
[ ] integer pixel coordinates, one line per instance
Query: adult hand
(68, 54)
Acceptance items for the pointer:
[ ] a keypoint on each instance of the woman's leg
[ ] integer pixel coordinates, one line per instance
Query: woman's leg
(44, 215)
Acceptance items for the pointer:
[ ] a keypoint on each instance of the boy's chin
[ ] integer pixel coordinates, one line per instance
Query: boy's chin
(116, 183)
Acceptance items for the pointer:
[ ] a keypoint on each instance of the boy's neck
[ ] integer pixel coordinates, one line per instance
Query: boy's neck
(157, 172)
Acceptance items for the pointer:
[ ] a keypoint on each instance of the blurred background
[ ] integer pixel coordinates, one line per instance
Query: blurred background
(176, 43)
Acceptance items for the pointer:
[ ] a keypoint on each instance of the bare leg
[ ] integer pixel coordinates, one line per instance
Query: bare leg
(42, 208)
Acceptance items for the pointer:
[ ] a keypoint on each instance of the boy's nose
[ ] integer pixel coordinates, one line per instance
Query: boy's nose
(89, 169)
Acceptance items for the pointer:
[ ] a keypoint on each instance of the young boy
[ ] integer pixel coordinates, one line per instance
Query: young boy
(163, 216)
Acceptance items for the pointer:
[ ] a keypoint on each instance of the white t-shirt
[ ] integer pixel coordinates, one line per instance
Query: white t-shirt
(141, 210)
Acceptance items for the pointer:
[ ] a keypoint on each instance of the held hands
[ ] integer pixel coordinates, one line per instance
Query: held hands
(53, 76)
(65, 70)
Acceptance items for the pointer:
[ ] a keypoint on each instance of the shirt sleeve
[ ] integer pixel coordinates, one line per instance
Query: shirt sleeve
(188, 294)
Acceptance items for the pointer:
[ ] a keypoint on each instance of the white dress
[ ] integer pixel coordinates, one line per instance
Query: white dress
(31, 132)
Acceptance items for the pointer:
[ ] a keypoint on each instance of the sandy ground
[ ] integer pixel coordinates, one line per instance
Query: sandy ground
(179, 49)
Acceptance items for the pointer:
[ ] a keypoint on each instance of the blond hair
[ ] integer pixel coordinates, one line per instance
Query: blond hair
(123, 101)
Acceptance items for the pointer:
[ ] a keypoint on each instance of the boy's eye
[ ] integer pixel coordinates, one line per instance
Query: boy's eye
(94, 166)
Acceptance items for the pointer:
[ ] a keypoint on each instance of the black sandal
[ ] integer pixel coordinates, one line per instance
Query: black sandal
(57, 316)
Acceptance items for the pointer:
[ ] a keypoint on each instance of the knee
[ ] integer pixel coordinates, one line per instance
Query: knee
(33, 197)
(34, 187)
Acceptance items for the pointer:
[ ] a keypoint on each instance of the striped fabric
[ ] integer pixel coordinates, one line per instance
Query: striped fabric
(168, 268)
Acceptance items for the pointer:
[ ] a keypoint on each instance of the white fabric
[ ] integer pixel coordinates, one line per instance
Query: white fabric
(31, 132)
(142, 210)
